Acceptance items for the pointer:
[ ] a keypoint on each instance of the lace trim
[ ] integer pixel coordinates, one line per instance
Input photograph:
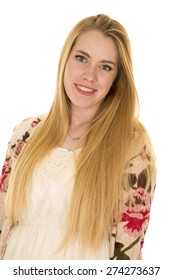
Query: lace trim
(57, 165)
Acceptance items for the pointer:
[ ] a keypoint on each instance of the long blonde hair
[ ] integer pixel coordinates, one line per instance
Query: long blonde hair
(97, 191)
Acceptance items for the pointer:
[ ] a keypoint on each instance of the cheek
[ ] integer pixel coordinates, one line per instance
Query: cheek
(107, 83)
(66, 72)
(65, 78)
(68, 75)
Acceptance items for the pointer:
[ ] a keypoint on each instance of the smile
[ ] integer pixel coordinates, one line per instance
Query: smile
(85, 90)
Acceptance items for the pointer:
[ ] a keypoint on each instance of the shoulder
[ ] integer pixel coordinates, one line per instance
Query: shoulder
(141, 158)
(142, 146)
(23, 130)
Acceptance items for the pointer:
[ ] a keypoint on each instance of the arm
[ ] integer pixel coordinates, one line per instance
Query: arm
(4, 181)
(19, 138)
(129, 231)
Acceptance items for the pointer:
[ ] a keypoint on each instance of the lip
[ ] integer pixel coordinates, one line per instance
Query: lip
(85, 90)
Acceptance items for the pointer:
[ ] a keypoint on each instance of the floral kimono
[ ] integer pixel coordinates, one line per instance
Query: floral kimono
(127, 235)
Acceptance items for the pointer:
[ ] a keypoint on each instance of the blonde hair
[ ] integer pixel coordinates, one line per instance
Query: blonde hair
(97, 192)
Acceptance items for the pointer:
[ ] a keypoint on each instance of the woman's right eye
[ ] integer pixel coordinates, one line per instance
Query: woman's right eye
(80, 58)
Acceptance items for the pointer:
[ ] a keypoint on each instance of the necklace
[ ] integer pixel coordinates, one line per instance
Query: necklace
(74, 138)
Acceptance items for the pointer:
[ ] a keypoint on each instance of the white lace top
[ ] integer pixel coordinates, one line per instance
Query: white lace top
(41, 229)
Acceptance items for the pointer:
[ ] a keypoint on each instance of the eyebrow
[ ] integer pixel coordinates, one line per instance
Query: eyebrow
(102, 61)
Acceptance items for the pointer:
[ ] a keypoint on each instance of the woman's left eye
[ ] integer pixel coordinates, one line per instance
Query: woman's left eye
(106, 67)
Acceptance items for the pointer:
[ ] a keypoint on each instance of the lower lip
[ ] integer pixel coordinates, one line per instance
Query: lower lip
(86, 93)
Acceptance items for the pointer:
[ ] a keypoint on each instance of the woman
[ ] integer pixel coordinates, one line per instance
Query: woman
(79, 181)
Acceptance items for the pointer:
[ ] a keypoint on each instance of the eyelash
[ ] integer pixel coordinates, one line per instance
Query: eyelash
(108, 68)
(81, 58)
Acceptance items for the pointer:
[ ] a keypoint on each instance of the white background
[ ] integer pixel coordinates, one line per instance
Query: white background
(31, 36)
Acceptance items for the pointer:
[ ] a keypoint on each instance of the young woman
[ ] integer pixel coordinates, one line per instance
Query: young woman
(79, 181)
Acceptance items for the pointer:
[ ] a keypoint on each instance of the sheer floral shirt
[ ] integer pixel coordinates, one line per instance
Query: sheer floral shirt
(127, 235)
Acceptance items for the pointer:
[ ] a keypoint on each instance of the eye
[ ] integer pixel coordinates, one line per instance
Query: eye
(80, 58)
(106, 67)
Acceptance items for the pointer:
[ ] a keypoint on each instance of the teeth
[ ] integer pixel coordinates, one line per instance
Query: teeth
(85, 89)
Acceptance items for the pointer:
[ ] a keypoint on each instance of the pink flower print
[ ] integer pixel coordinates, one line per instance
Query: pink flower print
(5, 172)
(18, 147)
(137, 212)
(34, 123)
(135, 221)
(2, 178)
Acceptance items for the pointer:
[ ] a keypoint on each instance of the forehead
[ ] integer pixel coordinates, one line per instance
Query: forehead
(96, 43)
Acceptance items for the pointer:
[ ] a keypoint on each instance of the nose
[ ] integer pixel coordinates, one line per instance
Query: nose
(89, 73)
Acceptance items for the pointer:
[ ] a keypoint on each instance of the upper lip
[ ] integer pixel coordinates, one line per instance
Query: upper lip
(86, 87)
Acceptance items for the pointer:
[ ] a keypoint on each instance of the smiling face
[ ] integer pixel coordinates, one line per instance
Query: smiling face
(91, 69)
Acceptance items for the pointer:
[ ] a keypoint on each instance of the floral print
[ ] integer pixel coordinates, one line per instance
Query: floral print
(5, 171)
(15, 149)
(127, 234)
(134, 215)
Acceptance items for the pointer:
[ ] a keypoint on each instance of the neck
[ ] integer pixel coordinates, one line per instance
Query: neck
(81, 117)
(80, 122)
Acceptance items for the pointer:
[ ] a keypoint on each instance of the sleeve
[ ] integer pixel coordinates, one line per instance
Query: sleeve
(129, 231)
(4, 180)
(20, 136)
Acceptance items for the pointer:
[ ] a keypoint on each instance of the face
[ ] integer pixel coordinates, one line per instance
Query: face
(91, 69)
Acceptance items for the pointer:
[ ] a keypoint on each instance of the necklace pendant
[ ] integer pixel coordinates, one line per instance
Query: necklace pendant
(74, 138)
